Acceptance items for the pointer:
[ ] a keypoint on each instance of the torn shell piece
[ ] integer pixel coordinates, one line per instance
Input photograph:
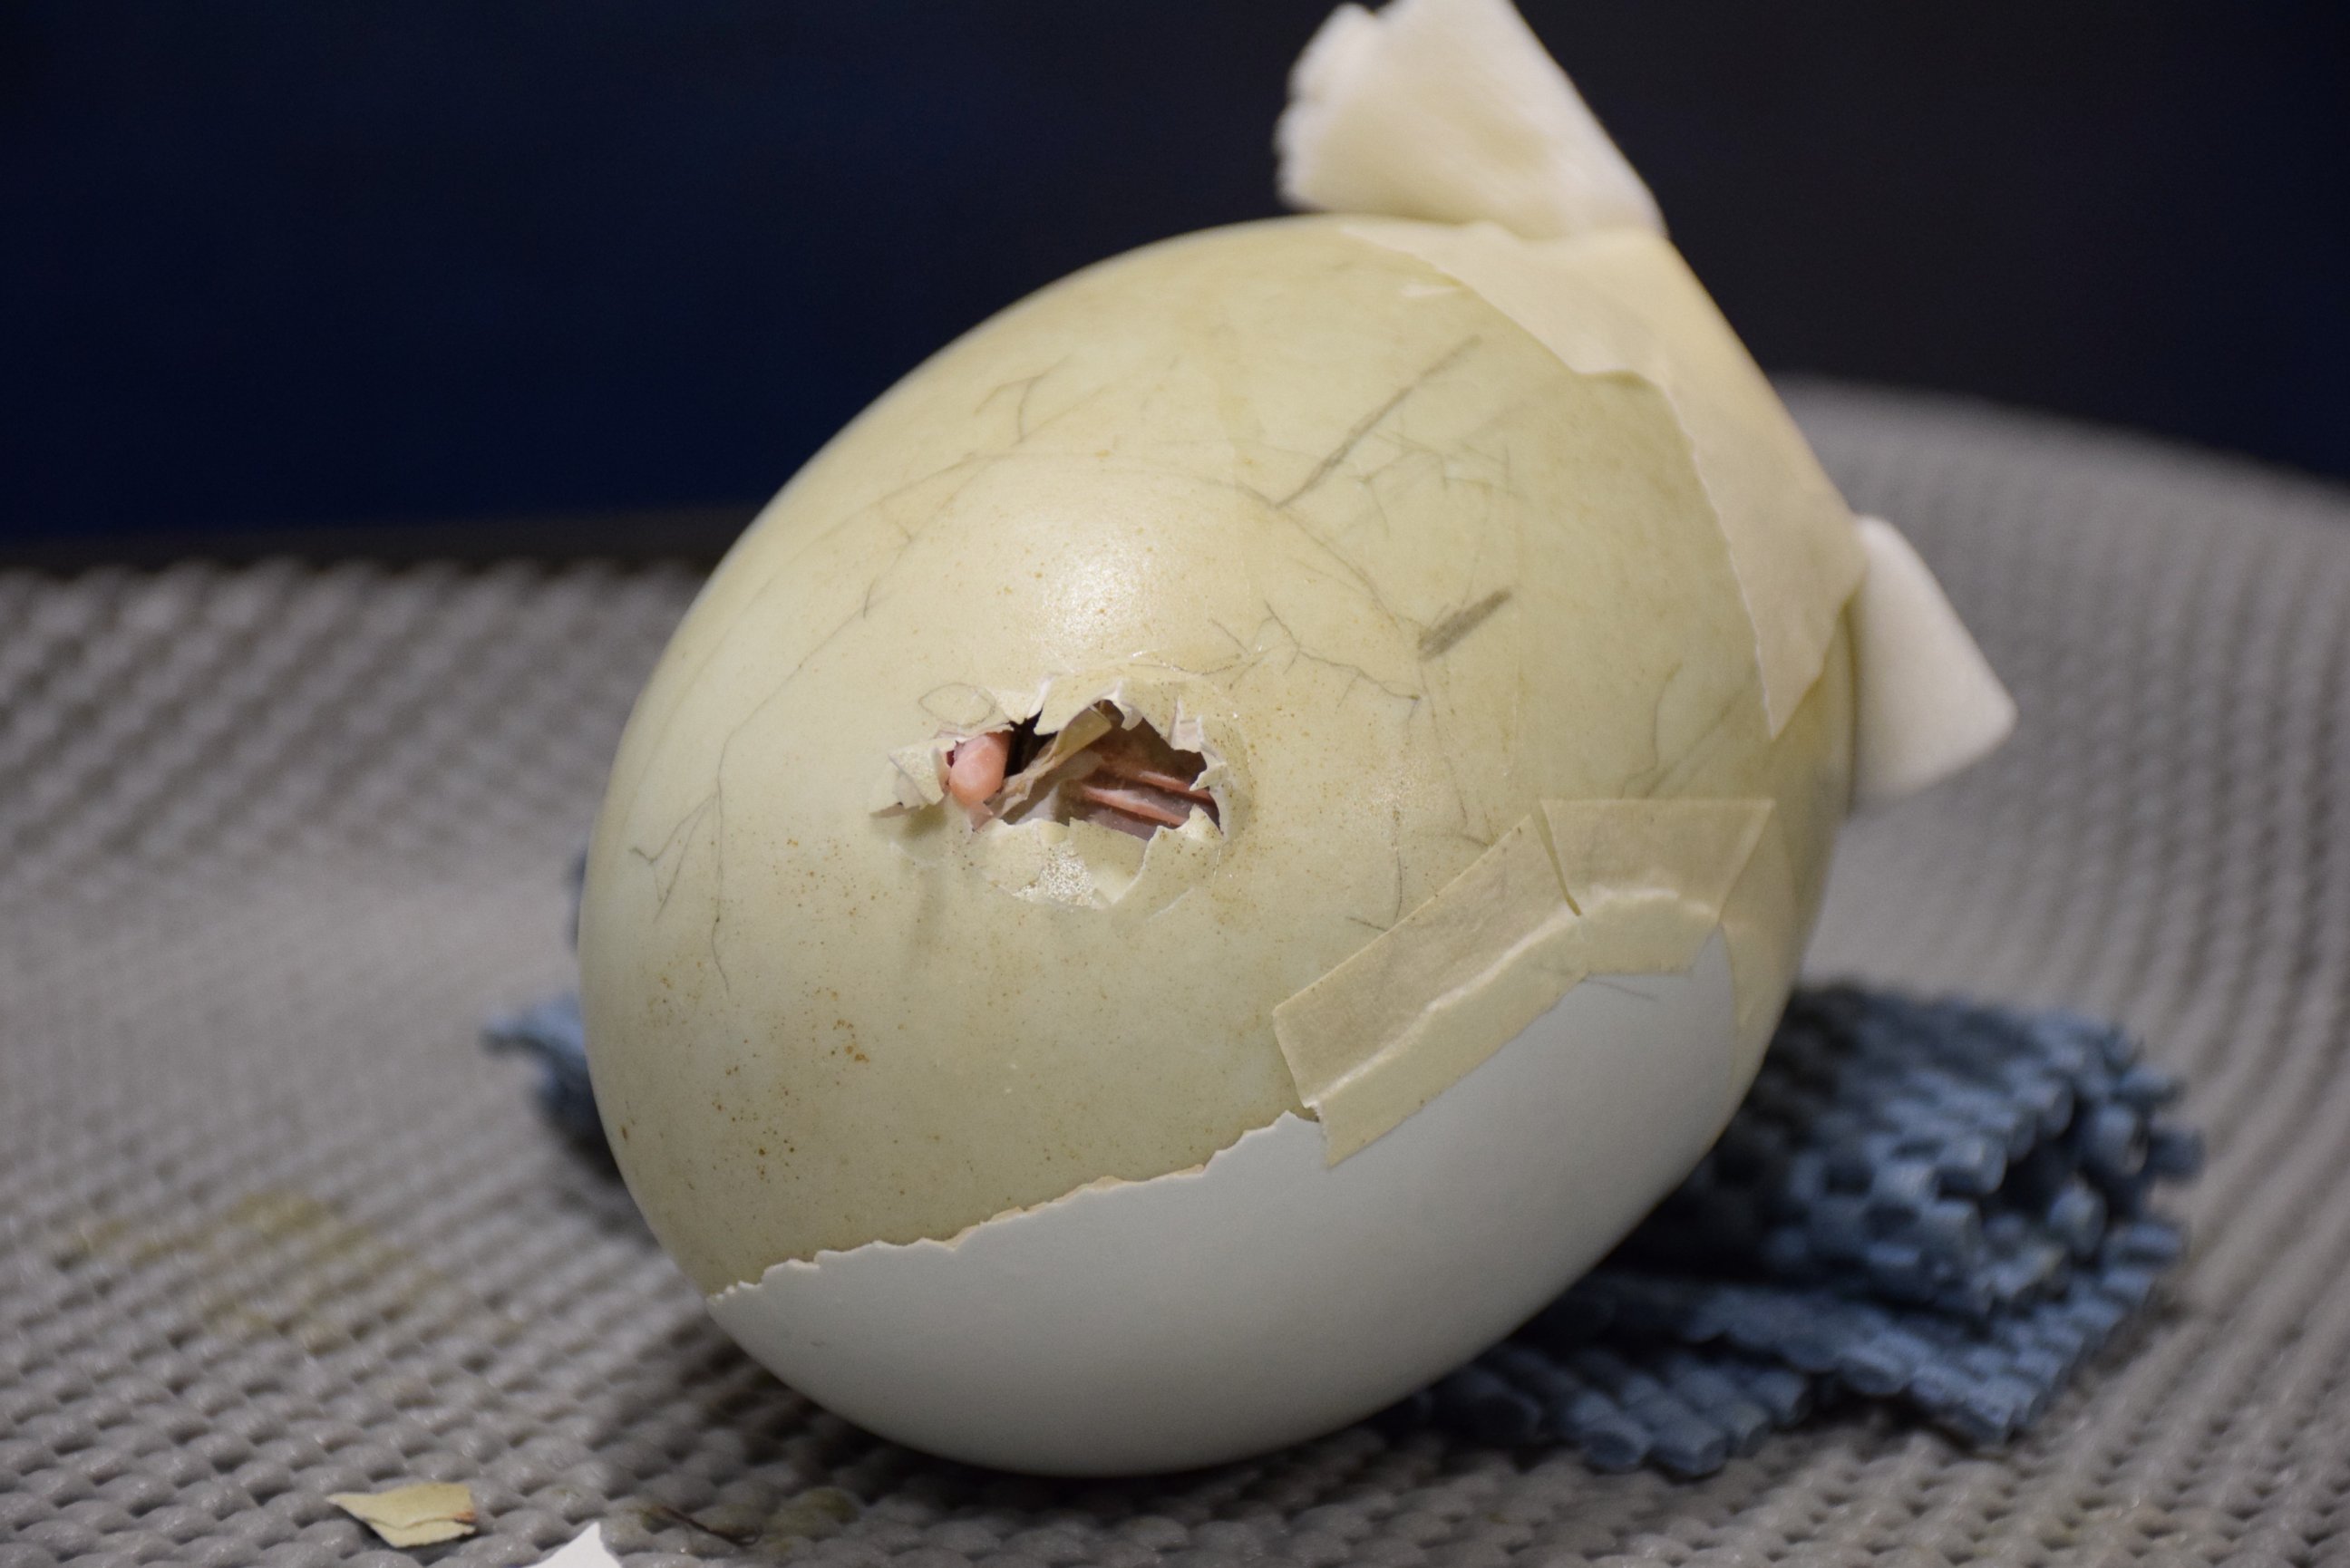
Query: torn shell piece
(418, 1515)
(1927, 702)
(1062, 743)
(1460, 977)
(1451, 110)
(585, 1549)
(916, 777)
(1267, 1295)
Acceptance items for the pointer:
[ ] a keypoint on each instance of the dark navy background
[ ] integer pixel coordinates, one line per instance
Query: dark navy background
(279, 265)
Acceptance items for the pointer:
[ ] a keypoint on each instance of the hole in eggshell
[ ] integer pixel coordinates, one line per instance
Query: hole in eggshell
(1099, 768)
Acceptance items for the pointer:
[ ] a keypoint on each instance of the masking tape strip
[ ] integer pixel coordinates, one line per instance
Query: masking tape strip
(1624, 302)
(1579, 887)
(1650, 877)
(1763, 927)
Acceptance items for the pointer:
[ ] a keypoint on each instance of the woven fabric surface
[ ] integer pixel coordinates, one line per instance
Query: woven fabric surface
(273, 841)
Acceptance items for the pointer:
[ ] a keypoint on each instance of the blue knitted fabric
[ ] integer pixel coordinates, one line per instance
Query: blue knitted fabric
(1935, 1204)
(551, 1033)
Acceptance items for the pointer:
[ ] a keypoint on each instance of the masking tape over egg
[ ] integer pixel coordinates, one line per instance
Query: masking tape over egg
(1625, 303)
(1578, 889)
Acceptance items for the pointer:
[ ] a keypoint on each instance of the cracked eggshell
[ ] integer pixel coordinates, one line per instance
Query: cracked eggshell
(1141, 1326)
(1406, 575)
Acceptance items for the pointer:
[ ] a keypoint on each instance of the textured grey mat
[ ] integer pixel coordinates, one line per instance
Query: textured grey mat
(273, 841)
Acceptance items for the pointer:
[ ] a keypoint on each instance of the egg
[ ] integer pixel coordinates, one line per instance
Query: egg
(1233, 832)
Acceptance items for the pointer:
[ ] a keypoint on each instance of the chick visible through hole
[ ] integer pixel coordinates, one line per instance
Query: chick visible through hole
(1128, 779)
(976, 768)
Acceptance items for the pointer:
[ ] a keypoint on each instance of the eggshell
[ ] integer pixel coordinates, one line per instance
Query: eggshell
(1507, 616)
(1450, 109)
(1403, 573)
(1267, 1296)
(1928, 703)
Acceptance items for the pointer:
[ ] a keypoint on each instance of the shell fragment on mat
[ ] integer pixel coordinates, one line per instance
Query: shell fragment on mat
(1581, 887)
(1452, 111)
(416, 1515)
(585, 1549)
(1926, 703)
